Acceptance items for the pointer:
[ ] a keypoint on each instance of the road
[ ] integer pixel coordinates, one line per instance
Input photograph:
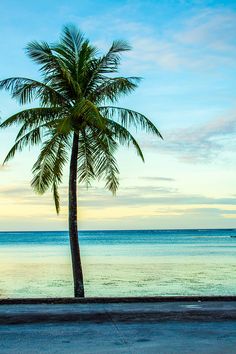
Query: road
(176, 327)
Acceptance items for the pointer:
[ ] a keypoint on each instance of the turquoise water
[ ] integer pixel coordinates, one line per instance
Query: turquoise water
(120, 263)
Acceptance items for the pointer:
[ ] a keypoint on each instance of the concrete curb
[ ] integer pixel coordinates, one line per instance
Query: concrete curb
(19, 311)
(105, 300)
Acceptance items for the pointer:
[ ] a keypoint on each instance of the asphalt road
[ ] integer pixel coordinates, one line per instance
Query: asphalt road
(178, 327)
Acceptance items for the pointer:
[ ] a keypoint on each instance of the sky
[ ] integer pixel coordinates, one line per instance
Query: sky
(185, 52)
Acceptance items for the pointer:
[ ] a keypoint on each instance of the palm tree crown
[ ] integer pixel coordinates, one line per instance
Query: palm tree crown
(73, 97)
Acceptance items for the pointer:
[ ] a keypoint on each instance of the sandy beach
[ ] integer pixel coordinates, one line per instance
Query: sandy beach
(104, 279)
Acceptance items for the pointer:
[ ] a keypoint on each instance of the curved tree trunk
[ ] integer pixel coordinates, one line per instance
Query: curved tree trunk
(73, 229)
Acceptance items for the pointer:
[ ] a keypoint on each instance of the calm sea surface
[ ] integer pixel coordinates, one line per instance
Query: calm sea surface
(119, 263)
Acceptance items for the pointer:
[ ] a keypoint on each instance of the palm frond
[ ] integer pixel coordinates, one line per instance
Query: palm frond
(106, 64)
(85, 113)
(48, 169)
(111, 89)
(86, 158)
(110, 61)
(105, 164)
(54, 69)
(26, 90)
(42, 54)
(129, 118)
(73, 47)
(32, 117)
(124, 137)
(56, 197)
(72, 39)
(30, 139)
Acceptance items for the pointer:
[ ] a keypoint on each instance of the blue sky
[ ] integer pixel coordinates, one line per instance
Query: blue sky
(185, 51)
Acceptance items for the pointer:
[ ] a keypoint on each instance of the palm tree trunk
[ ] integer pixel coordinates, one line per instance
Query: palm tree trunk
(73, 229)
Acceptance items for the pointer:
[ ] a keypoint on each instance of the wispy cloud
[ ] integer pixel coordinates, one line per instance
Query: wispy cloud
(203, 41)
(96, 197)
(200, 143)
(189, 39)
(212, 29)
(157, 179)
(144, 206)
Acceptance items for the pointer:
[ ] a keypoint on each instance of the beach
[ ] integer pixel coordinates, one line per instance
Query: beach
(120, 263)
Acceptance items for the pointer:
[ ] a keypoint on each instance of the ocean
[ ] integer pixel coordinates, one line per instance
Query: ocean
(120, 263)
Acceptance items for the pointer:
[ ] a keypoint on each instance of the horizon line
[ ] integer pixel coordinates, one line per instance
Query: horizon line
(98, 230)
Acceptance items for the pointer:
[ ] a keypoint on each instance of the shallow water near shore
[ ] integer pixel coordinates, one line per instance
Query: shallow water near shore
(120, 263)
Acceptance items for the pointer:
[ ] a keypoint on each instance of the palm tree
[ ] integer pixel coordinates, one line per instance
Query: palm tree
(75, 116)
